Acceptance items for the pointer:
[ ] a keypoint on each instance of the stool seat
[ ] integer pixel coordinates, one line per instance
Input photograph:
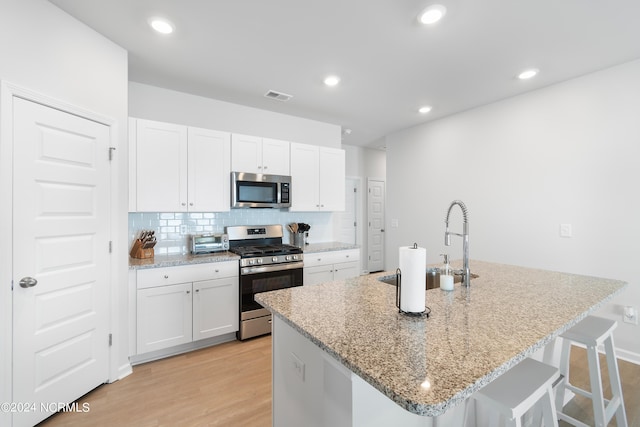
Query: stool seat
(592, 332)
(519, 389)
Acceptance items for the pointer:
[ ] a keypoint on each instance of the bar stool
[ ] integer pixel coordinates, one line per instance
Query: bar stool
(591, 332)
(518, 390)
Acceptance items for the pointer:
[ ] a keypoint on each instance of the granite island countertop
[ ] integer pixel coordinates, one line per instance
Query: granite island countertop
(472, 336)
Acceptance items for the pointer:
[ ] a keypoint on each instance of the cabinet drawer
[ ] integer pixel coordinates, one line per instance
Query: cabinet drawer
(331, 257)
(163, 276)
(346, 256)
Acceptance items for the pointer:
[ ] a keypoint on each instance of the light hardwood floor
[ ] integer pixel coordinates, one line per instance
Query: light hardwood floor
(230, 385)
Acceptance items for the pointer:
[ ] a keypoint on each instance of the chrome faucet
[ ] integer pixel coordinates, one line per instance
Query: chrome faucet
(466, 272)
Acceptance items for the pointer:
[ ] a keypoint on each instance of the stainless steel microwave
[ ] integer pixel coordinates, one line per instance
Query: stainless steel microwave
(250, 190)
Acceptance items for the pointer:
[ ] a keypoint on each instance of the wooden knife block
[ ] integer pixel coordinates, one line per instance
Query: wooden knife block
(138, 252)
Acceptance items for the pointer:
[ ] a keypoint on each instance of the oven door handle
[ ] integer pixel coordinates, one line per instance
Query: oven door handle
(271, 268)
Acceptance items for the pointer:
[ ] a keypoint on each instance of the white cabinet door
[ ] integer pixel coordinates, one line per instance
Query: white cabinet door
(246, 153)
(215, 307)
(209, 168)
(161, 167)
(304, 177)
(164, 317)
(275, 157)
(332, 177)
(318, 274)
(317, 178)
(345, 270)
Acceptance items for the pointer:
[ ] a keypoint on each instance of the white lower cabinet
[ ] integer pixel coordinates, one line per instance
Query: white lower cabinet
(164, 317)
(178, 305)
(322, 267)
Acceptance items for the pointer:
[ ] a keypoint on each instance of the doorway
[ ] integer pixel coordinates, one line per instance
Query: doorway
(375, 220)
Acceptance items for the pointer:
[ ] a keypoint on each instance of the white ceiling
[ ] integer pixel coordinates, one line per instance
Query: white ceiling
(236, 50)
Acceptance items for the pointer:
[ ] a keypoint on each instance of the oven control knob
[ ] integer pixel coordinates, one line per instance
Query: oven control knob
(274, 259)
(295, 257)
(252, 261)
(259, 260)
(287, 258)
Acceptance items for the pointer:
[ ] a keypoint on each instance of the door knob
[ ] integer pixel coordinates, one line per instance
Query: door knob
(28, 282)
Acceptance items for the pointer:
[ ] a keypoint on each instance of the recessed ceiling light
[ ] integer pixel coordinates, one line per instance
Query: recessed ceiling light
(331, 80)
(424, 110)
(432, 14)
(527, 74)
(161, 25)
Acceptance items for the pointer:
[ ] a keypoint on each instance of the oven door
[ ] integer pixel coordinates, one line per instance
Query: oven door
(266, 278)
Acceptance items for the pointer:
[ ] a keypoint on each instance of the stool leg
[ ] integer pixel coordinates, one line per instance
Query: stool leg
(597, 396)
(549, 409)
(614, 379)
(564, 371)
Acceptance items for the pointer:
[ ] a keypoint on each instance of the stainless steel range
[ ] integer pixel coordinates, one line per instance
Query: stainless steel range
(266, 264)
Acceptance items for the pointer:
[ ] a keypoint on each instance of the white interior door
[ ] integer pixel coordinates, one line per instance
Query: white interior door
(60, 240)
(375, 217)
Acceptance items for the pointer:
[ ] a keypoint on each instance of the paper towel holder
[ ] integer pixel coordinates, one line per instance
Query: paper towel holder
(424, 313)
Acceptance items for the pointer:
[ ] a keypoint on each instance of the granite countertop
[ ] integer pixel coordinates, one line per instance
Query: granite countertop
(328, 246)
(472, 336)
(180, 259)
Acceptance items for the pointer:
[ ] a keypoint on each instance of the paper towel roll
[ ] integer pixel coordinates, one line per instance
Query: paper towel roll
(413, 267)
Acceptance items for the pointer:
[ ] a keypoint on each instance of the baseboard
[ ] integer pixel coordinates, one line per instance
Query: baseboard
(628, 356)
(124, 371)
(179, 349)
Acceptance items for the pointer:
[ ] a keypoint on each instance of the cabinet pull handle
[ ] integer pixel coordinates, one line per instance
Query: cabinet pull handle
(264, 167)
(191, 204)
(217, 271)
(197, 290)
(183, 204)
(166, 276)
(188, 292)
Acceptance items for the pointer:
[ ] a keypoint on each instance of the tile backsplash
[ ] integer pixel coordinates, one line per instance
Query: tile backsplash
(173, 229)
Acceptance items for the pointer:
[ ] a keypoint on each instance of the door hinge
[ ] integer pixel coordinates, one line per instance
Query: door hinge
(111, 150)
(355, 190)
(110, 340)
(354, 224)
(110, 246)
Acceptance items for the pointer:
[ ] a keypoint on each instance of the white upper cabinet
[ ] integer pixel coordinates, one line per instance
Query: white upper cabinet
(161, 166)
(259, 155)
(332, 179)
(275, 157)
(209, 170)
(317, 178)
(178, 169)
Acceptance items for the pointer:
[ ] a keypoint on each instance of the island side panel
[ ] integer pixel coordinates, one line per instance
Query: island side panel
(311, 388)
(308, 390)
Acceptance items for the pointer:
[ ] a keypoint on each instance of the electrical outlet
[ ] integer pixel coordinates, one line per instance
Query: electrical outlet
(630, 315)
(394, 222)
(565, 230)
(298, 366)
(184, 229)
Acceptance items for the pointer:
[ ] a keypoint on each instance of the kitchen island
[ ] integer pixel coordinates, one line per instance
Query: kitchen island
(343, 355)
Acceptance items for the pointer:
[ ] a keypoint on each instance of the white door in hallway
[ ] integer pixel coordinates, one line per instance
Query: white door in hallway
(375, 218)
(60, 257)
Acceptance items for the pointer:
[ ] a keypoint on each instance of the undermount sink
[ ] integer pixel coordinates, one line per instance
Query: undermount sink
(432, 278)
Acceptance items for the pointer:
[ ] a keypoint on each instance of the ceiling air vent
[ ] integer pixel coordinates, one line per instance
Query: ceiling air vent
(279, 96)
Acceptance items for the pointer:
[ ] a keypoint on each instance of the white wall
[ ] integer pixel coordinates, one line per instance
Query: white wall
(523, 166)
(364, 163)
(154, 103)
(45, 50)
